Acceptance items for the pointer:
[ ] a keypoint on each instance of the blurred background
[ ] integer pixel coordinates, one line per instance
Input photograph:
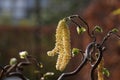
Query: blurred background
(30, 25)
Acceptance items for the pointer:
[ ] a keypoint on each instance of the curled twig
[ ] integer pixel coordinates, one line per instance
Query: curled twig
(79, 17)
(93, 46)
(16, 69)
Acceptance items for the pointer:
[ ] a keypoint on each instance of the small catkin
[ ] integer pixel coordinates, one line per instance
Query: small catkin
(62, 45)
(100, 70)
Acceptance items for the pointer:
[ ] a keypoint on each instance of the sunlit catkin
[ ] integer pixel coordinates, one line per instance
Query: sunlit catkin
(100, 70)
(62, 46)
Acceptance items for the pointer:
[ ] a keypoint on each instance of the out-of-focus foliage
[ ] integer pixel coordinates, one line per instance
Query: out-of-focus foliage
(116, 12)
(57, 9)
(49, 11)
(5, 20)
(28, 22)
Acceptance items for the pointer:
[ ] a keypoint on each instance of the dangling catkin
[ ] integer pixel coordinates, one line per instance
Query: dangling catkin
(100, 70)
(62, 46)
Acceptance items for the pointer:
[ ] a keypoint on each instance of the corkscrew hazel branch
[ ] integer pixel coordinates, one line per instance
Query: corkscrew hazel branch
(79, 17)
(1, 67)
(84, 61)
(101, 50)
(99, 58)
(87, 57)
(87, 52)
(15, 69)
(108, 35)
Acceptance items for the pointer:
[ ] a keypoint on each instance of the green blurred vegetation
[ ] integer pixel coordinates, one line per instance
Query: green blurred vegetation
(116, 12)
(47, 14)
(57, 9)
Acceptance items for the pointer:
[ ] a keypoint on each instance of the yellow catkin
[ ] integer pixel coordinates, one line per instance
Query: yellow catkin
(67, 48)
(100, 70)
(62, 46)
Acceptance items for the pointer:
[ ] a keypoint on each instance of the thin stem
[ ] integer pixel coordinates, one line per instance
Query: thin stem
(10, 69)
(107, 36)
(93, 35)
(4, 71)
(37, 63)
(75, 23)
(21, 64)
(118, 36)
(96, 63)
(73, 72)
(84, 61)
(2, 68)
(88, 28)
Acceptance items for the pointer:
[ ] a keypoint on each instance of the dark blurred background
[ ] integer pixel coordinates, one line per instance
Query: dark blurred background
(30, 25)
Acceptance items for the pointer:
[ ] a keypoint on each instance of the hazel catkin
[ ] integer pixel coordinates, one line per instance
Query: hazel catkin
(100, 70)
(62, 45)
